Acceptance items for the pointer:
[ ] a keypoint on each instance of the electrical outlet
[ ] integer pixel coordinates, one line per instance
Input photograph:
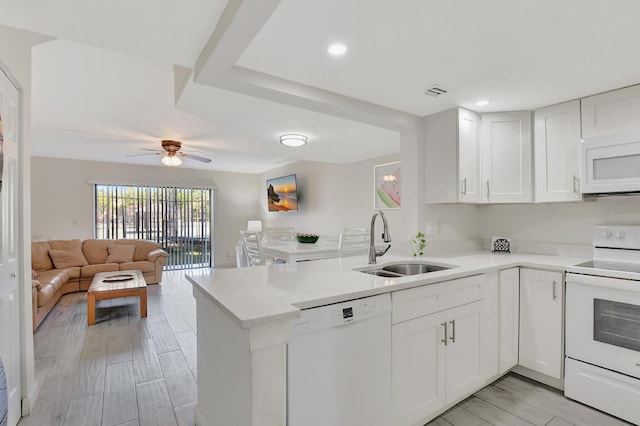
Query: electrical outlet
(428, 229)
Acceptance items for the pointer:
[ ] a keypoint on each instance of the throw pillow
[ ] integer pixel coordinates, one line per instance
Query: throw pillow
(67, 258)
(120, 254)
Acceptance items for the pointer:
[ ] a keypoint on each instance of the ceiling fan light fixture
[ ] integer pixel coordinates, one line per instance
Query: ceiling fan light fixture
(293, 140)
(171, 160)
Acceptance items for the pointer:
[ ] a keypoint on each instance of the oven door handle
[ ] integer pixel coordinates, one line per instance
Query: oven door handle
(602, 282)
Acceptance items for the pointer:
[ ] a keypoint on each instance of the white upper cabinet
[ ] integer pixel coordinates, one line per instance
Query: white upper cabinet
(557, 152)
(469, 126)
(506, 158)
(452, 157)
(611, 113)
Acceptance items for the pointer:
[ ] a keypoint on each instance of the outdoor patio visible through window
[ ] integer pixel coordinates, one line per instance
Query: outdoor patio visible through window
(177, 218)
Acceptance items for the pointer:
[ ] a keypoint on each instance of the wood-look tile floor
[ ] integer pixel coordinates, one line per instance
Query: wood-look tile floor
(516, 401)
(127, 370)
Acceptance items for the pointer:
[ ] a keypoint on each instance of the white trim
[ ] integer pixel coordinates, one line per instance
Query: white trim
(156, 184)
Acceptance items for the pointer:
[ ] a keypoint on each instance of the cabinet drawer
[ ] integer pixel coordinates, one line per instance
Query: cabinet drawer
(425, 300)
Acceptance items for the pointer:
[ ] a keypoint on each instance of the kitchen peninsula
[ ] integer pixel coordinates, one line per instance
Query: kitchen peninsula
(245, 317)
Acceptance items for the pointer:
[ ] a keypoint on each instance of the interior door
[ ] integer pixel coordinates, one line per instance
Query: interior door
(9, 292)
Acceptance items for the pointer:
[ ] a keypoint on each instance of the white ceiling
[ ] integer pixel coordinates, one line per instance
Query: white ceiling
(106, 88)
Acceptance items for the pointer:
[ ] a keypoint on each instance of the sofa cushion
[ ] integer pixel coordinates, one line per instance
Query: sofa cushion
(40, 260)
(55, 277)
(120, 254)
(90, 270)
(143, 266)
(143, 247)
(45, 294)
(66, 244)
(66, 258)
(96, 251)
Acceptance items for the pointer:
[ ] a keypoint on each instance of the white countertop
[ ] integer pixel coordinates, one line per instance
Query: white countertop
(260, 295)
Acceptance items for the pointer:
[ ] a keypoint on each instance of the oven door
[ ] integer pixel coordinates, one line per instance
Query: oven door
(611, 164)
(603, 322)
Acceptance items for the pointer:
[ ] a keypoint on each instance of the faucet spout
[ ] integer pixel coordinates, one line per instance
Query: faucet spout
(386, 237)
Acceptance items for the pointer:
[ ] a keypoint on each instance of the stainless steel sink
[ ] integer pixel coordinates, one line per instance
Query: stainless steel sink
(403, 269)
(413, 268)
(381, 273)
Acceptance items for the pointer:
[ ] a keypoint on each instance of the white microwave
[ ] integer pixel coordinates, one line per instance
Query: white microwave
(610, 164)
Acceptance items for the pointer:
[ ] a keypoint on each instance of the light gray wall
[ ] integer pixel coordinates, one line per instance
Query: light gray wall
(331, 197)
(62, 197)
(569, 223)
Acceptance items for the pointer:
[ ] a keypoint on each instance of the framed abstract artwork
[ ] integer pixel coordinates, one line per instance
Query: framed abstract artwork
(387, 188)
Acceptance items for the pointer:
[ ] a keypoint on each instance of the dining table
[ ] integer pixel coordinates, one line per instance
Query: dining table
(294, 251)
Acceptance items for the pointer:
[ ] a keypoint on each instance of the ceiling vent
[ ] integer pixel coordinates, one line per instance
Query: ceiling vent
(435, 90)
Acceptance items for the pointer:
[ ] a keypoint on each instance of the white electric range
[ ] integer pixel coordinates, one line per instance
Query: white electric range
(602, 364)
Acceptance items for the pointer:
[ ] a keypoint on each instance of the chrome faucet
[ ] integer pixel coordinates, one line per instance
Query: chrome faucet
(386, 237)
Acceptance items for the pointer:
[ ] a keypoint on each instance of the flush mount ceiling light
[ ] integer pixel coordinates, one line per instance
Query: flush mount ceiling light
(337, 49)
(171, 160)
(483, 102)
(293, 140)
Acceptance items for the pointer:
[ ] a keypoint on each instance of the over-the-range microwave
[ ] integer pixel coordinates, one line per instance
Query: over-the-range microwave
(610, 164)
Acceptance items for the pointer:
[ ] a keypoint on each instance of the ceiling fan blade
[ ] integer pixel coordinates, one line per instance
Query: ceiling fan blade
(197, 158)
(138, 155)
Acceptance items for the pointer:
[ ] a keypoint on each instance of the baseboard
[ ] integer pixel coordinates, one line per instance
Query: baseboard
(539, 377)
(198, 417)
(29, 400)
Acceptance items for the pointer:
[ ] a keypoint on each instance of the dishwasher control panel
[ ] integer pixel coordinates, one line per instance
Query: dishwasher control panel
(341, 313)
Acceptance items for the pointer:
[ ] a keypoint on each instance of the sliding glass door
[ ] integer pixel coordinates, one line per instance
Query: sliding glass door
(177, 218)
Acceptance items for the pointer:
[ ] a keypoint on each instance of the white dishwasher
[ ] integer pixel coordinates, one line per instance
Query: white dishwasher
(339, 365)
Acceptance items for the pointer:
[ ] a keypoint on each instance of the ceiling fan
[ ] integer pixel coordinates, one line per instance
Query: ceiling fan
(172, 154)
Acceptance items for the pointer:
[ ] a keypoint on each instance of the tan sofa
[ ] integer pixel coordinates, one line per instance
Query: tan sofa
(66, 266)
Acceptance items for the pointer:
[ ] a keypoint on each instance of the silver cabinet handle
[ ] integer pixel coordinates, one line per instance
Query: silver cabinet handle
(576, 184)
(444, 324)
(488, 190)
(453, 331)
(464, 186)
(555, 295)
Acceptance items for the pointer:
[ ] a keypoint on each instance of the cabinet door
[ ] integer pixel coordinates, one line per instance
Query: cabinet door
(557, 155)
(464, 369)
(611, 113)
(469, 126)
(509, 313)
(541, 321)
(506, 157)
(418, 370)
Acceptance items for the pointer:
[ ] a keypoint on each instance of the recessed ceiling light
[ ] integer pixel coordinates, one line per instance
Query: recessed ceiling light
(483, 102)
(337, 49)
(293, 140)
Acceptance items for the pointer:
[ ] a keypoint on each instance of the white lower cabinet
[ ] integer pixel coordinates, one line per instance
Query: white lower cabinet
(541, 321)
(508, 318)
(445, 352)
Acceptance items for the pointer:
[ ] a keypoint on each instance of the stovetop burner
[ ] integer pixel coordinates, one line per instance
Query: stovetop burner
(616, 253)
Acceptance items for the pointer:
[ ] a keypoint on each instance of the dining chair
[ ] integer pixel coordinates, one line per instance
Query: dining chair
(279, 234)
(353, 243)
(252, 244)
(355, 230)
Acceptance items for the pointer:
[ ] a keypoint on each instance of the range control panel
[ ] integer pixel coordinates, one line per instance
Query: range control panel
(617, 236)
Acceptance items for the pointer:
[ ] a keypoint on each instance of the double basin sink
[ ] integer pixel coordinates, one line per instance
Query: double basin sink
(403, 269)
